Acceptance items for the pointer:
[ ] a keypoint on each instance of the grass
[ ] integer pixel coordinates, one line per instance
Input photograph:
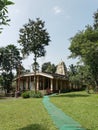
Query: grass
(81, 106)
(24, 114)
(30, 114)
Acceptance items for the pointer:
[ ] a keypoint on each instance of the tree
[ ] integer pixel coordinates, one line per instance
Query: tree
(85, 46)
(4, 20)
(95, 16)
(10, 60)
(6, 81)
(80, 76)
(48, 67)
(33, 38)
(74, 77)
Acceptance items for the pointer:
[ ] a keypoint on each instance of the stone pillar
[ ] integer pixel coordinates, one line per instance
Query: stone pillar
(51, 85)
(61, 84)
(26, 83)
(48, 84)
(56, 84)
(37, 83)
(18, 84)
(30, 82)
(43, 83)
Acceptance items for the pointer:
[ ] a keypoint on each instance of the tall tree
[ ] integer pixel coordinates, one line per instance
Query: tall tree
(80, 76)
(85, 46)
(4, 20)
(33, 38)
(10, 60)
(95, 16)
(48, 67)
(74, 77)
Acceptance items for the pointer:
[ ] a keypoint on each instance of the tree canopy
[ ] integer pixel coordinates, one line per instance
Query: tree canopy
(4, 20)
(33, 38)
(10, 60)
(85, 46)
(48, 67)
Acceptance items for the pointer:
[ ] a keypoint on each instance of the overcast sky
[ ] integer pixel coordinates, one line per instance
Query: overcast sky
(63, 19)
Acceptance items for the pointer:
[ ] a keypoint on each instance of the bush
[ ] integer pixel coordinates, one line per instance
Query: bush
(26, 94)
(37, 94)
(33, 94)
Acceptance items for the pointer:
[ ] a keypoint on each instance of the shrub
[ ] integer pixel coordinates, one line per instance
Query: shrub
(37, 94)
(26, 94)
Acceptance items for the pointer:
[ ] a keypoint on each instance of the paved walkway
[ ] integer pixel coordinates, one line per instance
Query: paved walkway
(62, 121)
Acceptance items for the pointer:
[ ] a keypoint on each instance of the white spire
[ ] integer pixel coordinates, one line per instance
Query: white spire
(61, 68)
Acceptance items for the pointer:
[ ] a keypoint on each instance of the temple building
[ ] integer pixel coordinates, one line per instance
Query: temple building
(45, 82)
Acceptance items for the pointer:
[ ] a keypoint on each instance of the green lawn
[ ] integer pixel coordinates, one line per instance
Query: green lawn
(81, 106)
(24, 114)
(30, 114)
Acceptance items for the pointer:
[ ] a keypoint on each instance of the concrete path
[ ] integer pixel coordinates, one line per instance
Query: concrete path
(62, 121)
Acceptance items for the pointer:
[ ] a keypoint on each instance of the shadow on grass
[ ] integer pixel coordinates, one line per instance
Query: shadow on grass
(2, 96)
(34, 127)
(71, 95)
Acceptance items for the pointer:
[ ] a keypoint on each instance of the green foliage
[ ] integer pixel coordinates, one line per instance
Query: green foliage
(81, 77)
(85, 46)
(37, 95)
(10, 60)
(33, 94)
(75, 77)
(95, 16)
(26, 94)
(48, 67)
(7, 80)
(35, 68)
(33, 38)
(4, 20)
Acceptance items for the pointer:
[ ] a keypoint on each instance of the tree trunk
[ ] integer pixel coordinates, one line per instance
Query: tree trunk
(96, 88)
(34, 69)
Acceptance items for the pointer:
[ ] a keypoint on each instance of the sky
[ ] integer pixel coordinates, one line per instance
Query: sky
(63, 19)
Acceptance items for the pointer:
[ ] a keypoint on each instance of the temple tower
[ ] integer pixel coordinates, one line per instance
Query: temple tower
(61, 68)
